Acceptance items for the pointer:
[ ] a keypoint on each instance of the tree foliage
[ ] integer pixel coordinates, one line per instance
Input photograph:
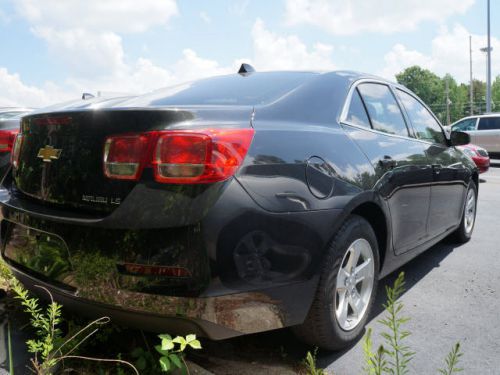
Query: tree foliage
(432, 90)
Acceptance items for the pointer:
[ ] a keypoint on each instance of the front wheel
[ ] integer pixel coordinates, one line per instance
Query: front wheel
(464, 231)
(346, 289)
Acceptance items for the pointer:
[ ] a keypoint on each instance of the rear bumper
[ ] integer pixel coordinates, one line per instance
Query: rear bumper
(235, 292)
(217, 318)
(131, 318)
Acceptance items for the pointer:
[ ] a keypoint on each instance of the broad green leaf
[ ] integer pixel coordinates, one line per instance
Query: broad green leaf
(195, 344)
(190, 338)
(165, 364)
(141, 364)
(176, 360)
(167, 344)
(160, 350)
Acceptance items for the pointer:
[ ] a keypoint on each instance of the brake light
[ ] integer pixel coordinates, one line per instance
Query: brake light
(178, 156)
(185, 157)
(16, 150)
(7, 139)
(124, 156)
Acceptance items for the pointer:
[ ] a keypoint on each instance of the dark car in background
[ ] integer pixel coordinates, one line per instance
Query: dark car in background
(234, 204)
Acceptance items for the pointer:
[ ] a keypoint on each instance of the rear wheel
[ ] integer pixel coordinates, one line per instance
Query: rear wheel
(346, 289)
(464, 231)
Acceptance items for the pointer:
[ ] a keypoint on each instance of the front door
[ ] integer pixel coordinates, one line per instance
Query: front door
(450, 176)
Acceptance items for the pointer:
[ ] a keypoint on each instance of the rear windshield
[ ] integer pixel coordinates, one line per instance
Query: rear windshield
(254, 89)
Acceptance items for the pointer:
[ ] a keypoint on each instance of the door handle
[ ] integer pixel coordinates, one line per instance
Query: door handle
(387, 162)
(436, 168)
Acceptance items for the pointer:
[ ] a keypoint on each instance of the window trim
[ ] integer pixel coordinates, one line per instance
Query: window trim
(342, 119)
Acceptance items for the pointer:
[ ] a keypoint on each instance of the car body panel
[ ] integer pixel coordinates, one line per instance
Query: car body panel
(250, 248)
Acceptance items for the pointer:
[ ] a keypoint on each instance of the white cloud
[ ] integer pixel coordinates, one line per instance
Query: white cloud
(383, 16)
(449, 54)
(275, 52)
(83, 52)
(97, 61)
(13, 92)
(119, 16)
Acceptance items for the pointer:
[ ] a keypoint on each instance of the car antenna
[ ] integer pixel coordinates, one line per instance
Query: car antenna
(246, 69)
(86, 96)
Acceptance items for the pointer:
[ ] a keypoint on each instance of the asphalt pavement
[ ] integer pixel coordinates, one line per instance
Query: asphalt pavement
(453, 294)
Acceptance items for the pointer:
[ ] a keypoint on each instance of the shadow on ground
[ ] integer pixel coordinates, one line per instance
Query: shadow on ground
(280, 349)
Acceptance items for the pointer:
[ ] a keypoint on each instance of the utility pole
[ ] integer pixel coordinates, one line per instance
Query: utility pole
(471, 89)
(447, 102)
(488, 72)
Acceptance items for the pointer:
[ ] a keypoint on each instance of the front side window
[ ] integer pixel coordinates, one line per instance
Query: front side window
(489, 123)
(357, 112)
(423, 122)
(383, 109)
(465, 125)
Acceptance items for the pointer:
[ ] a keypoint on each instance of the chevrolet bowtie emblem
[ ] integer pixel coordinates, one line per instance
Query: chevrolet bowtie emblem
(49, 153)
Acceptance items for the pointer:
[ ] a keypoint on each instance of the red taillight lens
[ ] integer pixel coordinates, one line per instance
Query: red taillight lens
(178, 156)
(16, 150)
(7, 138)
(124, 156)
(185, 157)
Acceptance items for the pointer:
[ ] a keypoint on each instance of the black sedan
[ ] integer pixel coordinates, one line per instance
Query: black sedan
(235, 204)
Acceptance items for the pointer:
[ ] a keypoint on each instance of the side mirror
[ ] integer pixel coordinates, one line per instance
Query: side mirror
(459, 138)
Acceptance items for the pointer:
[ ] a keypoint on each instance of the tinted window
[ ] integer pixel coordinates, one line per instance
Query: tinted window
(232, 89)
(357, 112)
(383, 109)
(489, 123)
(423, 122)
(464, 125)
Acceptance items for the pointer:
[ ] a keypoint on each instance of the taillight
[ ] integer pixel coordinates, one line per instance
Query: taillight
(185, 157)
(124, 156)
(7, 139)
(16, 150)
(178, 156)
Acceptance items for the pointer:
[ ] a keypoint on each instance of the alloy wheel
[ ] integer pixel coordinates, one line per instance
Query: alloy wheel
(355, 281)
(470, 211)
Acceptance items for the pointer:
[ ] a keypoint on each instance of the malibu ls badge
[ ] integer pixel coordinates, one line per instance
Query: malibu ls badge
(49, 153)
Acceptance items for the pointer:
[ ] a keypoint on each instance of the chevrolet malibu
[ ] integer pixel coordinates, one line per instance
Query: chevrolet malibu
(234, 204)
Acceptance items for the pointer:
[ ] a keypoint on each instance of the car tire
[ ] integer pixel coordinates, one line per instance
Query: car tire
(464, 231)
(330, 324)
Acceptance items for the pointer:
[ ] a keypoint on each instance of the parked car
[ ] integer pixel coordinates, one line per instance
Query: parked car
(484, 131)
(9, 127)
(9, 112)
(234, 204)
(479, 155)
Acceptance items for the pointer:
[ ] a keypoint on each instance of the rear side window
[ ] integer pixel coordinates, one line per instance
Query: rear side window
(357, 112)
(383, 109)
(465, 125)
(489, 123)
(423, 122)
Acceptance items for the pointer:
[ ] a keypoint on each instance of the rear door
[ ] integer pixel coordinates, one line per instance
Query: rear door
(450, 176)
(487, 134)
(404, 175)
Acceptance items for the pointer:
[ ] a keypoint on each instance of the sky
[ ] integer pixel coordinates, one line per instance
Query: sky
(54, 50)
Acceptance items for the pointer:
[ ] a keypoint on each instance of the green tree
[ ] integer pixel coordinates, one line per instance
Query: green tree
(427, 85)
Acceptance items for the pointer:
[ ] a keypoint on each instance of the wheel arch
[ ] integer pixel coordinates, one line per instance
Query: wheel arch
(376, 217)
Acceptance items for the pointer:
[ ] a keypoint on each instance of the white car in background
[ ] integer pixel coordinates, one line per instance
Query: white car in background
(484, 130)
